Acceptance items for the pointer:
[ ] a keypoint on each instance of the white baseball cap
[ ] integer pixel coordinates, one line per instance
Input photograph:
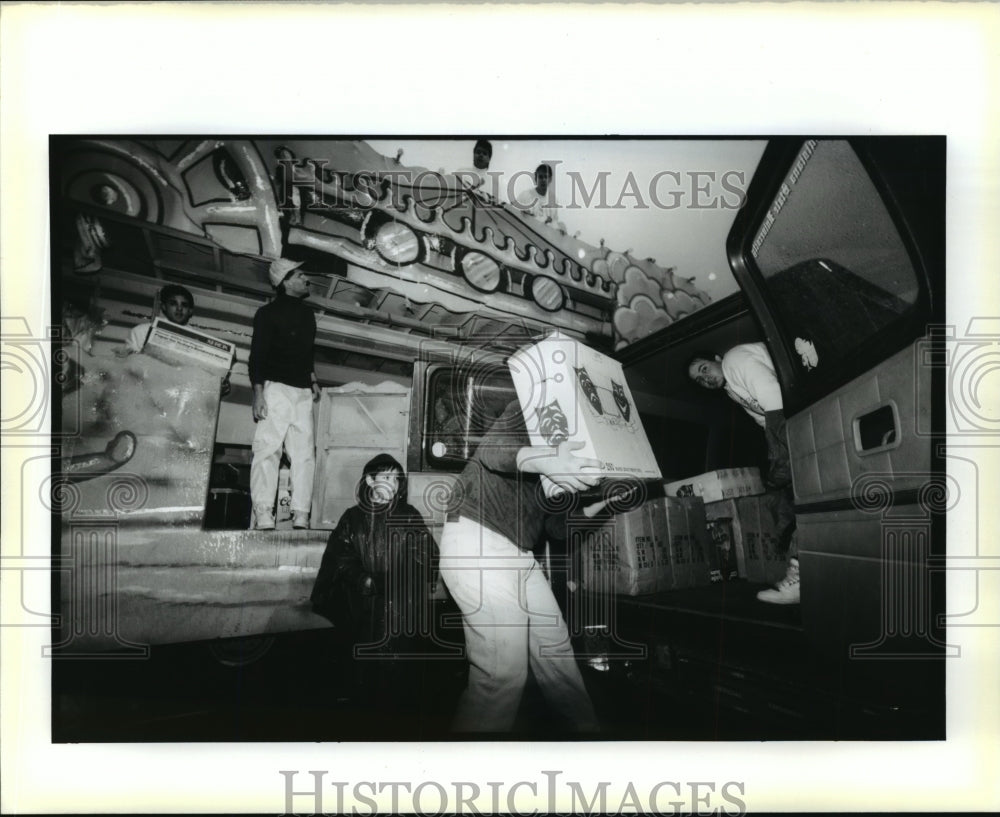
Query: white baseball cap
(280, 268)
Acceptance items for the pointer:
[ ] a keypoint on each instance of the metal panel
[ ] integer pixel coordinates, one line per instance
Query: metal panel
(822, 437)
(356, 422)
(863, 553)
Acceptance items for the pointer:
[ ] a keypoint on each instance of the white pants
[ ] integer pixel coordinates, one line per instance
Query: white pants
(511, 621)
(289, 423)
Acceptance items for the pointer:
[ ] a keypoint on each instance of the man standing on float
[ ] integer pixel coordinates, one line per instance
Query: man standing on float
(284, 389)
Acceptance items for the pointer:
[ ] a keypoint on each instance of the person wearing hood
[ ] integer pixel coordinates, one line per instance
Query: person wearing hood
(376, 575)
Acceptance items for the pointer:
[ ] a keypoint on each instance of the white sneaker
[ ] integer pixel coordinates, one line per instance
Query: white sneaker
(300, 520)
(787, 590)
(263, 519)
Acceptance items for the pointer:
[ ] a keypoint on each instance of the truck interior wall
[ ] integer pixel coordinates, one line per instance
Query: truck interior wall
(693, 430)
(697, 432)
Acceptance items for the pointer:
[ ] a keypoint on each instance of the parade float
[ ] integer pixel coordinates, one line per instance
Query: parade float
(403, 262)
(382, 225)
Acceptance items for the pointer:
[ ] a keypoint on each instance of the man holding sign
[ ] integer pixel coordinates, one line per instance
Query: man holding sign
(177, 305)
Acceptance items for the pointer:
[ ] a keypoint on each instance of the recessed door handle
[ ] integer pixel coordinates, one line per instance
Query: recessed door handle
(876, 429)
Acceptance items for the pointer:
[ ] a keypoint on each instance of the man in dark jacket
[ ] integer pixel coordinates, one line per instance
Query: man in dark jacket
(375, 579)
(284, 389)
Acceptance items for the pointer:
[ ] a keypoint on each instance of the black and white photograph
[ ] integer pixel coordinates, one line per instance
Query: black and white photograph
(380, 451)
(390, 457)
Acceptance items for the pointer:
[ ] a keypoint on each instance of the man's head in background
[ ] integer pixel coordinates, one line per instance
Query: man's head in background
(176, 303)
(543, 178)
(482, 153)
(287, 278)
(705, 369)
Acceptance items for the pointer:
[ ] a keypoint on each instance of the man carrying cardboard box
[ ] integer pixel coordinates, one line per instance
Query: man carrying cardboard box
(510, 616)
(747, 374)
(569, 391)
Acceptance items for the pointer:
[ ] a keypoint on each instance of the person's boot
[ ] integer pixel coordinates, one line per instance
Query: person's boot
(787, 590)
(300, 520)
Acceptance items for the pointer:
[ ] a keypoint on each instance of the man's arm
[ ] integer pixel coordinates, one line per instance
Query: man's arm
(779, 466)
(348, 541)
(135, 340)
(340, 570)
(259, 404)
(504, 439)
(766, 388)
(559, 464)
(259, 346)
(313, 380)
(760, 381)
(506, 449)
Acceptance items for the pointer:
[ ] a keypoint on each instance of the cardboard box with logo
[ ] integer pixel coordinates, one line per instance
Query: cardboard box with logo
(750, 521)
(661, 545)
(569, 391)
(714, 486)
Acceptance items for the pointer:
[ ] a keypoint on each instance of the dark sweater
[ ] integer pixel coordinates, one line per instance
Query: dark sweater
(392, 547)
(494, 493)
(282, 347)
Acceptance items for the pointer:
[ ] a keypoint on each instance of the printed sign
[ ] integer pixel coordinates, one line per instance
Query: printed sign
(173, 343)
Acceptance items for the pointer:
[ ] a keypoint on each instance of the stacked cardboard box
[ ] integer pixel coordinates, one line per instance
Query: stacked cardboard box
(748, 523)
(722, 552)
(662, 545)
(726, 483)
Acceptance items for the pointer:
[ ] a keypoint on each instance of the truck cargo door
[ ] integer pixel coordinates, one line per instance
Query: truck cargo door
(840, 251)
(356, 422)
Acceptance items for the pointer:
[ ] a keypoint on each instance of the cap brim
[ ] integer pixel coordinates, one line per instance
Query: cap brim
(291, 270)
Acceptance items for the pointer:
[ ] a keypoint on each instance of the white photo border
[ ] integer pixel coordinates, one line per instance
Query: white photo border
(580, 70)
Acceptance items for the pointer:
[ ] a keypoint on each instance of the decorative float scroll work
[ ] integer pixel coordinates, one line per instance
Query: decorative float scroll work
(423, 234)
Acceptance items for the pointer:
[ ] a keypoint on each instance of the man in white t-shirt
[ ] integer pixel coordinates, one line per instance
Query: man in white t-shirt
(177, 307)
(747, 374)
(540, 201)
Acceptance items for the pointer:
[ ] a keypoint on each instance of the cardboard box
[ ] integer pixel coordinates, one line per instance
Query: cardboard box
(726, 483)
(688, 537)
(722, 550)
(662, 545)
(570, 392)
(751, 521)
